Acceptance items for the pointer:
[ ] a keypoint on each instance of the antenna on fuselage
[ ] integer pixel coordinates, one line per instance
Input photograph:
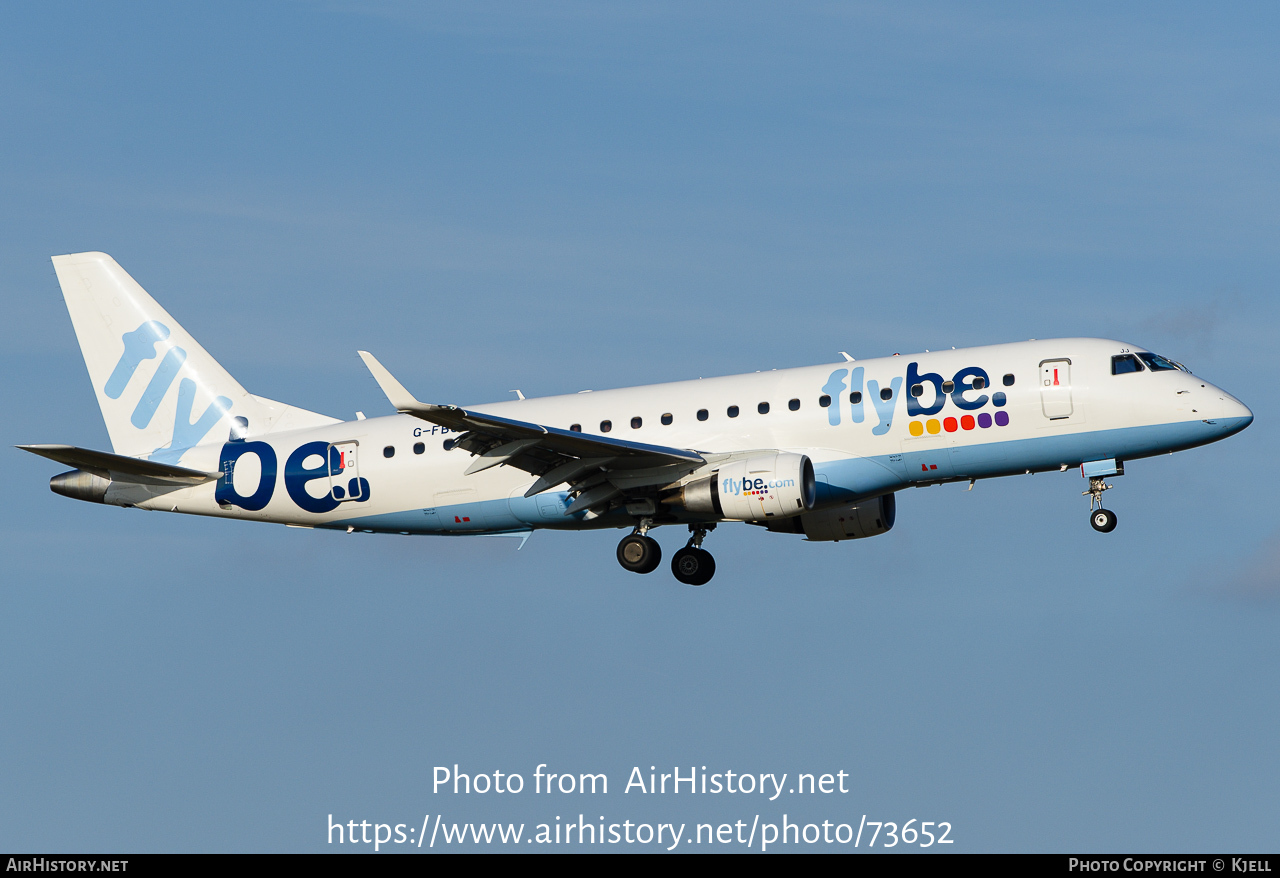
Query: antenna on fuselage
(847, 358)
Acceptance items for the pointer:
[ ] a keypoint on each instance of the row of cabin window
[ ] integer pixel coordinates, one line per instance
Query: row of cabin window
(794, 405)
(917, 390)
(390, 450)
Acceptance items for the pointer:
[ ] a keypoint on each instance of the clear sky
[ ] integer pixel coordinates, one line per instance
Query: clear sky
(584, 195)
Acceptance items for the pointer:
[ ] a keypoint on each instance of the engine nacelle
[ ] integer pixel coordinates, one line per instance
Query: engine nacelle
(759, 488)
(866, 519)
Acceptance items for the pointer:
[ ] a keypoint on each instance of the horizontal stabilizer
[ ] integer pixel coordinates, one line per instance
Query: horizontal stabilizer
(121, 468)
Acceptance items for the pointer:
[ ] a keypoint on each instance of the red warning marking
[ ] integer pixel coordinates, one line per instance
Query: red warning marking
(926, 467)
(458, 520)
(1055, 377)
(933, 466)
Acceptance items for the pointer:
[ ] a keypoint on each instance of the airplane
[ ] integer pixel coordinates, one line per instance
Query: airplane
(817, 451)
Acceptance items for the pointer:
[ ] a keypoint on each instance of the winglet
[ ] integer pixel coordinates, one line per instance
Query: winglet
(399, 397)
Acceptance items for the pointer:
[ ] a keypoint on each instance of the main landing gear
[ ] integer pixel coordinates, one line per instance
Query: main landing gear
(1103, 520)
(692, 565)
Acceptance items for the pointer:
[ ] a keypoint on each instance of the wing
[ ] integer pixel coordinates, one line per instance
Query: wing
(598, 469)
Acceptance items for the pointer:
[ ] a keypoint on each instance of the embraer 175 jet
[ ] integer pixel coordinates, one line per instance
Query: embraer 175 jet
(817, 451)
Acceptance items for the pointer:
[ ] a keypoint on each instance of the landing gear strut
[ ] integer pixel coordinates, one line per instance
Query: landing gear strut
(693, 565)
(1103, 520)
(639, 552)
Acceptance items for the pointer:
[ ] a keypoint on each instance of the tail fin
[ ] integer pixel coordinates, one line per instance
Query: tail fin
(160, 392)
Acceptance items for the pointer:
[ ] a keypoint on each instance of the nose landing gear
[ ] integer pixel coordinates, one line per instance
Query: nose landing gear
(1102, 520)
(693, 565)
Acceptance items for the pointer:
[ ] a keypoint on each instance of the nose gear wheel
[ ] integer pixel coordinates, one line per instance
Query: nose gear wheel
(1102, 520)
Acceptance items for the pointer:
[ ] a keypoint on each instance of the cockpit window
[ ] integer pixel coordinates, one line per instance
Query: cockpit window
(1122, 363)
(1157, 363)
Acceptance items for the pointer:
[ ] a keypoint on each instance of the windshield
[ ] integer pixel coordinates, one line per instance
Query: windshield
(1124, 363)
(1157, 363)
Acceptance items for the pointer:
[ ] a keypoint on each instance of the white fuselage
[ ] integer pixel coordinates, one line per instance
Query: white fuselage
(1061, 408)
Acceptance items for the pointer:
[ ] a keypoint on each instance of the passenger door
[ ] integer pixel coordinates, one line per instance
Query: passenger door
(344, 473)
(1055, 388)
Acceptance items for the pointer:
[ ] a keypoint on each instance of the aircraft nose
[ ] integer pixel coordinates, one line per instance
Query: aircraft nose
(1233, 412)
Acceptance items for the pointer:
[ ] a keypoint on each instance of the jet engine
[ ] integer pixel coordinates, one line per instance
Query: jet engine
(866, 519)
(758, 488)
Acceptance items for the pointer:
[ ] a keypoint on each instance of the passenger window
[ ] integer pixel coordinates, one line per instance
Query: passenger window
(419, 447)
(703, 414)
(855, 397)
(667, 419)
(636, 423)
(886, 393)
(794, 405)
(1122, 364)
(947, 387)
(763, 408)
(389, 451)
(733, 411)
(824, 401)
(606, 426)
(576, 428)
(1008, 380)
(979, 383)
(917, 390)
(448, 445)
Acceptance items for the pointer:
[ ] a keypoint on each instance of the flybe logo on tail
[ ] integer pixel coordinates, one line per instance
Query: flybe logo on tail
(140, 345)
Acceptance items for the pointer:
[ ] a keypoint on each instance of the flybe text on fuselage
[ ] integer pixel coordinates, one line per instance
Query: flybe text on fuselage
(928, 393)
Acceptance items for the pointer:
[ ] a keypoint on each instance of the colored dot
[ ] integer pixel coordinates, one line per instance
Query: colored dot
(1002, 419)
(932, 425)
(916, 428)
(997, 398)
(949, 424)
(984, 420)
(967, 422)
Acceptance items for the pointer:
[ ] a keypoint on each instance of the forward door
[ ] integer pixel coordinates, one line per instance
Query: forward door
(1055, 389)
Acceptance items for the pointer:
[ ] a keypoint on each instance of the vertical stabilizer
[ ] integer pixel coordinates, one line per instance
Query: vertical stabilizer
(160, 392)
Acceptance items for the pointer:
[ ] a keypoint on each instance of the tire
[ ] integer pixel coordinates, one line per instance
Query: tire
(693, 566)
(1103, 520)
(639, 554)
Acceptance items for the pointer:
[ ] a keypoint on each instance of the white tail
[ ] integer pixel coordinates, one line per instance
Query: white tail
(160, 392)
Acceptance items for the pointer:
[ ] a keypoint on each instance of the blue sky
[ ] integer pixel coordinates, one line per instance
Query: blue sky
(578, 196)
